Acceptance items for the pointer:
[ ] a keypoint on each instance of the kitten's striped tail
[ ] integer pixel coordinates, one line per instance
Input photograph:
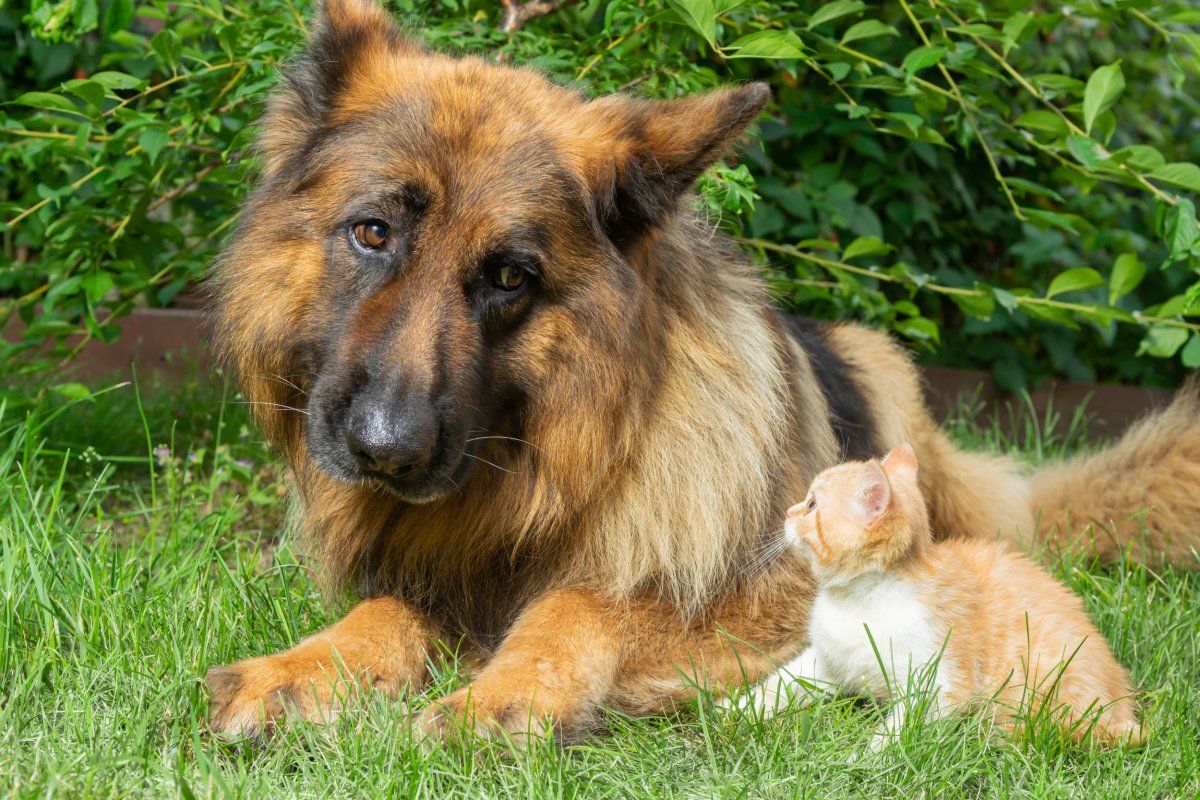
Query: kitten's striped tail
(1140, 495)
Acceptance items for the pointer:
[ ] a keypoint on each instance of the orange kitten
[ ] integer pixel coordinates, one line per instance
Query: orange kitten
(1009, 636)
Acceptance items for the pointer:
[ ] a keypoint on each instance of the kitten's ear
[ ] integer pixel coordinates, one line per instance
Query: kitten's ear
(873, 495)
(902, 460)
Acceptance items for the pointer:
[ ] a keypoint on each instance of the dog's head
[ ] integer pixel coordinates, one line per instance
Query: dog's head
(438, 246)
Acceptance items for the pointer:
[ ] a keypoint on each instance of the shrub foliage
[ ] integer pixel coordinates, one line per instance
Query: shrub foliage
(1006, 185)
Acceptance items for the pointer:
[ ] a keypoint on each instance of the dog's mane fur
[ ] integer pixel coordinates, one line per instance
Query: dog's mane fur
(660, 483)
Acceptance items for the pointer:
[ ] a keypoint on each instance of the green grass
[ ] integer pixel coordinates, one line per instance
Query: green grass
(124, 575)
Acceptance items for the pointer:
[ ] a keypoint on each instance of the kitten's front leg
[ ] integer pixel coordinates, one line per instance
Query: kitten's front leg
(779, 689)
(889, 729)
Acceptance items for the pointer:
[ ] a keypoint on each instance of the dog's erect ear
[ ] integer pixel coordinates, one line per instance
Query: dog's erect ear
(349, 39)
(654, 151)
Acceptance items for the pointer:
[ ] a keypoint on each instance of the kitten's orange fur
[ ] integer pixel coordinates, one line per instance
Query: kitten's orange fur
(1015, 640)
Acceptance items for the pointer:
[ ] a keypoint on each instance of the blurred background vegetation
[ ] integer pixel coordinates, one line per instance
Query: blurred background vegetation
(1007, 185)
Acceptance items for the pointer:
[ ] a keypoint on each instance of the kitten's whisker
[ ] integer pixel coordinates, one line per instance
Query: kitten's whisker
(767, 554)
(771, 542)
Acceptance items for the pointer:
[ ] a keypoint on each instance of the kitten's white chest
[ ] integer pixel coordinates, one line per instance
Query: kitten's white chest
(902, 635)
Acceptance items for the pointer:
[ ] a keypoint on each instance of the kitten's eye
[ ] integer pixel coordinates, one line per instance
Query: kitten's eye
(370, 234)
(811, 504)
(510, 277)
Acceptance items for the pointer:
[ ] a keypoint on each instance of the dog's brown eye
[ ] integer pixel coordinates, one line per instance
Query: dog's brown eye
(371, 235)
(510, 278)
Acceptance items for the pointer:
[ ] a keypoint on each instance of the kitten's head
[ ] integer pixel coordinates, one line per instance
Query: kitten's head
(861, 516)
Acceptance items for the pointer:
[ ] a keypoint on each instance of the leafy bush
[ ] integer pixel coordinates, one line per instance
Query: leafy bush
(1007, 185)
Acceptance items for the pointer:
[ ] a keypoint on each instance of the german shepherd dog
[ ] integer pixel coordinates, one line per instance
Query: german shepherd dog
(534, 407)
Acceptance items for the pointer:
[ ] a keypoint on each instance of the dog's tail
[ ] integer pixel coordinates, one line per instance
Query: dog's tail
(1140, 495)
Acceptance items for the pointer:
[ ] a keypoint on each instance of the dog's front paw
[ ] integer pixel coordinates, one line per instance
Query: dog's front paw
(251, 698)
(476, 710)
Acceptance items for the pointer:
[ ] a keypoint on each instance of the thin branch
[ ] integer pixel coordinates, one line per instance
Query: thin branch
(169, 81)
(834, 266)
(186, 187)
(516, 14)
(630, 84)
(962, 103)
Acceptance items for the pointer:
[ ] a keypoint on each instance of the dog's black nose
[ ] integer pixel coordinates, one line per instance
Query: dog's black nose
(395, 442)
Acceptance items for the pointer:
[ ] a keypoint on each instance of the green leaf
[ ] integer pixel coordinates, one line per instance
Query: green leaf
(1126, 275)
(1014, 26)
(1139, 156)
(1163, 341)
(73, 391)
(115, 80)
(981, 306)
(817, 244)
(1191, 354)
(1086, 151)
(835, 10)
(1059, 84)
(868, 29)
(91, 92)
(1043, 122)
(1180, 230)
(776, 45)
(45, 328)
(1171, 307)
(1006, 299)
(978, 29)
(96, 285)
(1074, 280)
(866, 246)
(700, 16)
(838, 70)
(167, 46)
(922, 58)
(854, 112)
(153, 140)
(1064, 222)
(46, 100)
(920, 329)
(1029, 187)
(1051, 314)
(117, 17)
(1193, 40)
(1103, 88)
(1181, 174)
(1100, 315)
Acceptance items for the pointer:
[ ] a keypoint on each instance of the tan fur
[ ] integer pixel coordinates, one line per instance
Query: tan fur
(1139, 496)
(667, 415)
(969, 494)
(380, 644)
(1015, 639)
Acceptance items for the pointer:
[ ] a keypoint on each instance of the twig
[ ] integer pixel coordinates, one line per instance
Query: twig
(169, 81)
(39, 205)
(833, 265)
(186, 187)
(638, 79)
(517, 14)
(958, 96)
(596, 58)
